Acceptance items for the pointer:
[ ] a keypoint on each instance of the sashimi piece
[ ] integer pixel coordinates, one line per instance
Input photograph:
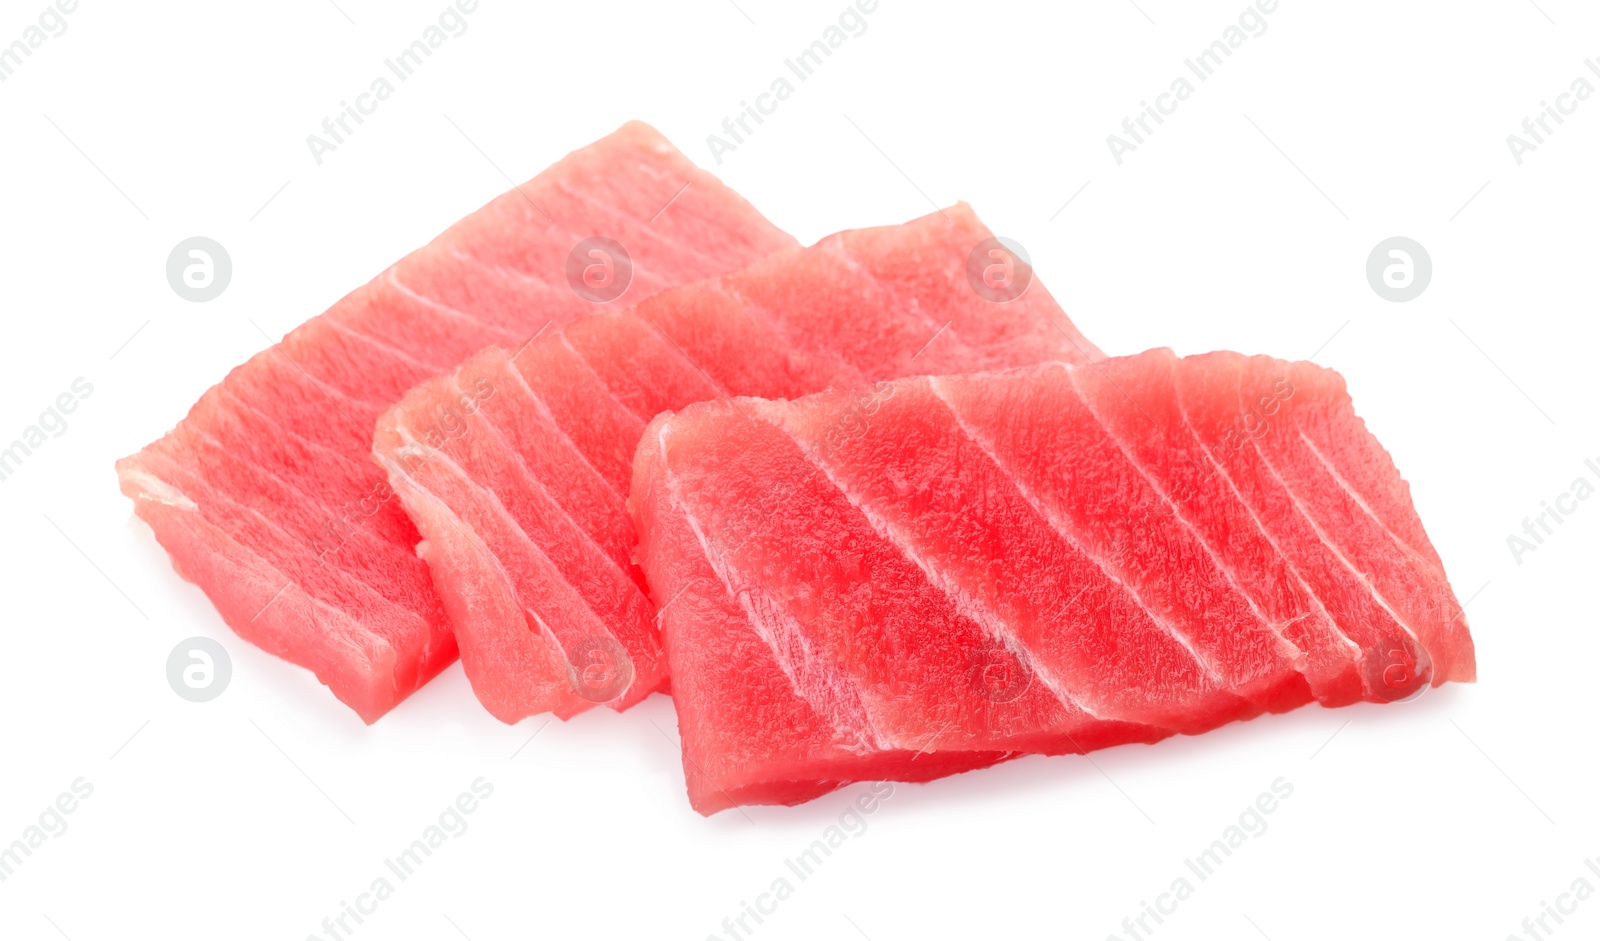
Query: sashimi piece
(1400, 564)
(571, 403)
(598, 424)
(729, 671)
(1038, 433)
(266, 496)
(1394, 662)
(914, 470)
(1135, 399)
(825, 563)
(905, 632)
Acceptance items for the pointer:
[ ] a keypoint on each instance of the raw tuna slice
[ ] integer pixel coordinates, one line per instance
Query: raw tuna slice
(515, 467)
(935, 574)
(266, 495)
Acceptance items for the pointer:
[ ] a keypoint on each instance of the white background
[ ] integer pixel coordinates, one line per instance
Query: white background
(1244, 222)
